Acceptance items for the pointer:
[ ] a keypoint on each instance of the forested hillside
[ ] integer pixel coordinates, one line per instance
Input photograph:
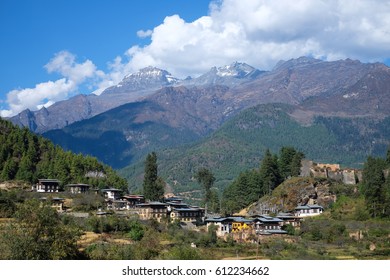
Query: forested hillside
(27, 157)
(241, 142)
(253, 184)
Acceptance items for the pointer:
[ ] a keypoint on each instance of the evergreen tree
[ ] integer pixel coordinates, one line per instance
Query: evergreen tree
(388, 157)
(296, 164)
(25, 156)
(269, 172)
(286, 156)
(152, 185)
(26, 169)
(244, 190)
(289, 162)
(9, 170)
(374, 185)
(206, 178)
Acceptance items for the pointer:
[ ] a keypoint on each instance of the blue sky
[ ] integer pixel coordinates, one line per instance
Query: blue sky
(54, 49)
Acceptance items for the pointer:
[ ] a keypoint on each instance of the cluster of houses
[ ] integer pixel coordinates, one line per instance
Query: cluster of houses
(241, 228)
(174, 209)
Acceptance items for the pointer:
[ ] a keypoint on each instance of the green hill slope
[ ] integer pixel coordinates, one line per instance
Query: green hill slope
(122, 135)
(240, 144)
(27, 157)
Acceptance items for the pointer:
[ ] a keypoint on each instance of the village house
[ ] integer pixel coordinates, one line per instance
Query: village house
(241, 228)
(179, 211)
(118, 205)
(241, 224)
(186, 214)
(264, 224)
(47, 185)
(289, 219)
(152, 210)
(308, 210)
(77, 188)
(112, 194)
(55, 202)
(58, 203)
(223, 225)
(173, 200)
(133, 200)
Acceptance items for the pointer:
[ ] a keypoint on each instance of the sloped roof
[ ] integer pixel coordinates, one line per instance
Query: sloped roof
(308, 207)
(268, 219)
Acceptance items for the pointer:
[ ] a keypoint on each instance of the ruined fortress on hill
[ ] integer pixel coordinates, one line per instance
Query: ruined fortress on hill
(331, 171)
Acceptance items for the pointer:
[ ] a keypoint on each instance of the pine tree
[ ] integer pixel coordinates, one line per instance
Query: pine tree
(388, 157)
(25, 156)
(289, 162)
(206, 178)
(269, 172)
(286, 156)
(296, 164)
(374, 185)
(152, 185)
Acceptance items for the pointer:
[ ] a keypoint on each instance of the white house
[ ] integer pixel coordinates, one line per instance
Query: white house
(77, 188)
(224, 225)
(47, 185)
(308, 210)
(112, 194)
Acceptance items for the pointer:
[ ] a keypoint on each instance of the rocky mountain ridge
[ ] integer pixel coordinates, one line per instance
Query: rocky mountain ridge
(134, 87)
(293, 82)
(190, 112)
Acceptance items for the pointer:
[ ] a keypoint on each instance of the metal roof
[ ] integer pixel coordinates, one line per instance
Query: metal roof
(152, 203)
(76, 185)
(308, 206)
(267, 219)
(187, 209)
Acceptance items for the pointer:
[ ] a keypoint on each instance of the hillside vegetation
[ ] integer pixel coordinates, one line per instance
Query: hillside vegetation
(241, 142)
(27, 157)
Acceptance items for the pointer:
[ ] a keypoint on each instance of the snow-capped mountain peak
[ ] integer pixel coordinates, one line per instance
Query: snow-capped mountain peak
(236, 69)
(229, 75)
(148, 78)
(150, 73)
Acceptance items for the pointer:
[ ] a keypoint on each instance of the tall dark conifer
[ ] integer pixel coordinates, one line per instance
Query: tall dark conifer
(206, 178)
(374, 185)
(269, 172)
(153, 186)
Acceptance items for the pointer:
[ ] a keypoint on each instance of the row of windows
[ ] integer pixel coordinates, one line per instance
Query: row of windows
(272, 227)
(189, 214)
(310, 211)
(153, 210)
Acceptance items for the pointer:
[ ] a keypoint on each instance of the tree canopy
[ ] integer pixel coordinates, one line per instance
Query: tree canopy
(28, 157)
(38, 233)
(153, 185)
(376, 187)
(249, 186)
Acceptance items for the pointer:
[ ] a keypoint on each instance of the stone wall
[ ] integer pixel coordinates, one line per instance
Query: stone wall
(330, 171)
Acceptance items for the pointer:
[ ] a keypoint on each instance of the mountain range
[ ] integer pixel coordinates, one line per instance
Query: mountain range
(133, 87)
(342, 106)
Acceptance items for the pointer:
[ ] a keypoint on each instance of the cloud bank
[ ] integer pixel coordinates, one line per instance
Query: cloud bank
(47, 93)
(259, 33)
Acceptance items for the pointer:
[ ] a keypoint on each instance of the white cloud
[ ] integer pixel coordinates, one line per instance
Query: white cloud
(32, 98)
(263, 32)
(65, 64)
(144, 34)
(259, 33)
(47, 93)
